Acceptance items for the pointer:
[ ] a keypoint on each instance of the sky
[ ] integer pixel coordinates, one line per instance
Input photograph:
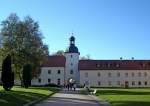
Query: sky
(104, 29)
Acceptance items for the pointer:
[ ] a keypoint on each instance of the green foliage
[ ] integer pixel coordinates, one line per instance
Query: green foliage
(7, 74)
(59, 53)
(125, 97)
(19, 96)
(23, 41)
(27, 75)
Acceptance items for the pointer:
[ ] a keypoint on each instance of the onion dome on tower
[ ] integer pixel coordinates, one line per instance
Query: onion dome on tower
(72, 47)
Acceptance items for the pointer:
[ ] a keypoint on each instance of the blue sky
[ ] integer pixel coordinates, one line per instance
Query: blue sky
(104, 29)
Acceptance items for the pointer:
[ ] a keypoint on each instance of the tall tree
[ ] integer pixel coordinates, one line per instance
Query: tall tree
(7, 74)
(23, 40)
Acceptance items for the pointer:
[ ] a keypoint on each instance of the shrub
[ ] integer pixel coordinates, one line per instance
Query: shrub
(7, 74)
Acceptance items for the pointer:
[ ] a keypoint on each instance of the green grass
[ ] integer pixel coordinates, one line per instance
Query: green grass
(125, 97)
(19, 96)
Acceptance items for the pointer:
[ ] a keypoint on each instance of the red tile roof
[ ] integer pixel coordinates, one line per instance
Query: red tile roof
(54, 61)
(114, 65)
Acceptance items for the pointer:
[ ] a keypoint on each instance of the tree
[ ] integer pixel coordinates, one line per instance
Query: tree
(7, 74)
(27, 75)
(59, 53)
(23, 41)
(87, 57)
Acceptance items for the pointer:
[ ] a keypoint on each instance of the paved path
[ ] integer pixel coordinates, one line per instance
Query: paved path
(69, 98)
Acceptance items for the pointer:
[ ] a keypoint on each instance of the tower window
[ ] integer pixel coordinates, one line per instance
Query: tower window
(58, 71)
(58, 81)
(71, 71)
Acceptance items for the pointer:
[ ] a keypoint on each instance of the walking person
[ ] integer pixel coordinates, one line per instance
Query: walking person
(74, 86)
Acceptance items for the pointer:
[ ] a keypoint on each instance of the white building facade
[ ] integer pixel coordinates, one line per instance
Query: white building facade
(93, 73)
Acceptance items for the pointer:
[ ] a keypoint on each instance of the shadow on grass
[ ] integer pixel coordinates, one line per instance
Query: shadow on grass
(18, 98)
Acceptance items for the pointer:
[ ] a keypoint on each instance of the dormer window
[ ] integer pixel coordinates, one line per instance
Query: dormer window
(97, 65)
(108, 65)
(117, 65)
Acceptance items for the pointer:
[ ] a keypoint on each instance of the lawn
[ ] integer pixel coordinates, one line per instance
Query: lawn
(19, 96)
(125, 97)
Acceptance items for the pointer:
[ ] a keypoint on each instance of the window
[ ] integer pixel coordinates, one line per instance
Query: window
(39, 80)
(132, 74)
(145, 82)
(126, 74)
(118, 74)
(97, 65)
(98, 74)
(109, 74)
(117, 65)
(71, 56)
(86, 82)
(49, 71)
(49, 80)
(145, 74)
(71, 71)
(118, 83)
(133, 82)
(71, 64)
(139, 83)
(108, 65)
(109, 83)
(86, 74)
(58, 81)
(58, 71)
(99, 83)
(139, 74)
